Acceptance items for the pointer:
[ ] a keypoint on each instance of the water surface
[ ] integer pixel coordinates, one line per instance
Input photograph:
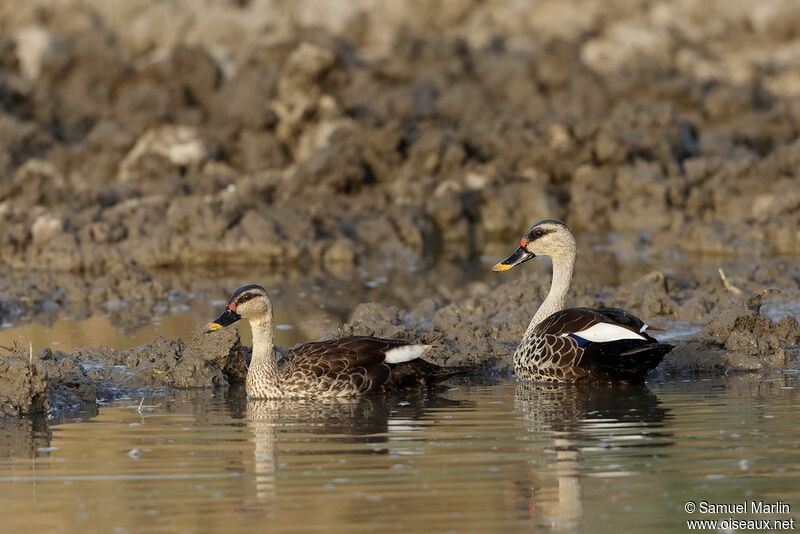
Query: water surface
(471, 458)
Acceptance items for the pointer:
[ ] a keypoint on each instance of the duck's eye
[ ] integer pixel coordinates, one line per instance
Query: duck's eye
(245, 298)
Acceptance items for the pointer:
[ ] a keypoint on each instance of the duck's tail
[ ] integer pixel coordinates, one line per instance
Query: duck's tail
(406, 353)
(631, 364)
(421, 373)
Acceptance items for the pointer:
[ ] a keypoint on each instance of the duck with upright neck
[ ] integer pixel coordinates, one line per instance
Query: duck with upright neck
(342, 367)
(570, 344)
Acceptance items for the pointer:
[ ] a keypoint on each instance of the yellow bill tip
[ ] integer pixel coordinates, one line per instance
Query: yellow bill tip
(500, 267)
(213, 327)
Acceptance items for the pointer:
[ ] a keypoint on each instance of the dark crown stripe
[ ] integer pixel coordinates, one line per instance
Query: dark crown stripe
(551, 220)
(239, 291)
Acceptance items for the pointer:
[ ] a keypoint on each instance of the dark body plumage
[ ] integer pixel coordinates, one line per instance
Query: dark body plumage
(555, 352)
(355, 365)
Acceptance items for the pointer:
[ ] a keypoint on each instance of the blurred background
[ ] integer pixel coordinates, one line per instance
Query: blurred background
(274, 136)
(185, 132)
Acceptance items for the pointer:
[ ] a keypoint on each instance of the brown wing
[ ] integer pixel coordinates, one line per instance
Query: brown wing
(349, 364)
(336, 355)
(568, 321)
(577, 319)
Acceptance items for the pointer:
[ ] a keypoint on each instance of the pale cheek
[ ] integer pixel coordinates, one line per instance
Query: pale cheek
(540, 249)
(547, 247)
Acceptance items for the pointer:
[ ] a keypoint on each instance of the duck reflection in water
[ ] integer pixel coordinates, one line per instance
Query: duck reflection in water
(582, 420)
(310, 425)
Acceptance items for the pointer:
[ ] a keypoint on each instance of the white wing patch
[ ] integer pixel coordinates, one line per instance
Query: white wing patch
(603, 332)
(406, 353)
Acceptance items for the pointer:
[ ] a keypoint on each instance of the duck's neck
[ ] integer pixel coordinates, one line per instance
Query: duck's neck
(563, 267)
(263, 371)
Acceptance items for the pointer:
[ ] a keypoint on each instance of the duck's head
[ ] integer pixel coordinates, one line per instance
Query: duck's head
(548, 237)
(250, 302)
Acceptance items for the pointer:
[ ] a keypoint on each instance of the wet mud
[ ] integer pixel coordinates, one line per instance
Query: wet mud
(58, 382)
(485, 327)
(327, 136)
(739, 338)
(478, 325)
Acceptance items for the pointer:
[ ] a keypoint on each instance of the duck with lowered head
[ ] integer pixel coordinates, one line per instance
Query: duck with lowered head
(342, 367)
(569, 344)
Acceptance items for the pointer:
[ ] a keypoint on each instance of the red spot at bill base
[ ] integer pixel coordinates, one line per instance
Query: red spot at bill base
(523, 243)
(232, 306)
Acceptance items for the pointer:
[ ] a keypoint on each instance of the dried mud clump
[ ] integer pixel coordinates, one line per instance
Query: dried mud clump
(740, 338)
(23, 385)
(61, 382)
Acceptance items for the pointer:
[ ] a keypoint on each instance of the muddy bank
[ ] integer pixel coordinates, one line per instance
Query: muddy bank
(739, 338)
(132, 296)
(742, 325)
(486, 326)
(23, 385)
(326, 133)
(58, 382)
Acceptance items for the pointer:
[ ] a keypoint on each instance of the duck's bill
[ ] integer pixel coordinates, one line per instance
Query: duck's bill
(519, 256)
(228, 317)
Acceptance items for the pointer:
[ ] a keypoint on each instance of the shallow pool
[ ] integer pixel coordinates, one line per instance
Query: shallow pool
(469, 458)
